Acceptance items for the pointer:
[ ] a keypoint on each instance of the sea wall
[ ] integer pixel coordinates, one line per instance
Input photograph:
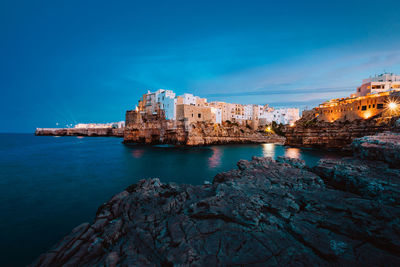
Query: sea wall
(156, 130)
(80, 132)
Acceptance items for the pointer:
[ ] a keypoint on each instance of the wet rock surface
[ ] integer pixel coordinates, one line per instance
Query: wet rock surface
(383, 146)
(265, 213)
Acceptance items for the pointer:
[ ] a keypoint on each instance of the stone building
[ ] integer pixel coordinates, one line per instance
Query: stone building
(376, 95)
(191, 113)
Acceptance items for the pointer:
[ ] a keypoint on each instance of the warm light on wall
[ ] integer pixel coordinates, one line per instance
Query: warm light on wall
(367, 115)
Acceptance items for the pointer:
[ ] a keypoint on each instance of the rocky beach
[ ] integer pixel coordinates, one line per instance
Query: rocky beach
(264, 213)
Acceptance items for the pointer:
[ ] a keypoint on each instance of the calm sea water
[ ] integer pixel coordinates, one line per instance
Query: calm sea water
(49, 185)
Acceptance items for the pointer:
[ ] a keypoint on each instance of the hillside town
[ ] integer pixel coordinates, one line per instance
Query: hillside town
(190, 108)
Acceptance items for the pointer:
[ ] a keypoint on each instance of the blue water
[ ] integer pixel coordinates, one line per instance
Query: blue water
(49, 185)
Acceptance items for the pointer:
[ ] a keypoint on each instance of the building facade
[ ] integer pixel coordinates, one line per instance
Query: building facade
(376, 95)
(191, 108)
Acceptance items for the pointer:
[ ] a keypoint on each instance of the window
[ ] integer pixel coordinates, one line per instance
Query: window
(379, 106)
(369, 106)
(199, 115)
(364, 108)
(358, 107)
(373, 106)
(192, 115)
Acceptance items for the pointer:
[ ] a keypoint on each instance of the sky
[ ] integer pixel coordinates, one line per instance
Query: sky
(71, 62)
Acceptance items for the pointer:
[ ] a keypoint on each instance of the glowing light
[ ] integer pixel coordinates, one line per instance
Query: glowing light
(291, 124)
(268, 129)
(392, 105)
(367, 115)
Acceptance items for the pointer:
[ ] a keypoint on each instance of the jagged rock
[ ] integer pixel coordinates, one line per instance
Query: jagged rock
(265, 213)
(383, 146)
(309, 131)
(369, 179)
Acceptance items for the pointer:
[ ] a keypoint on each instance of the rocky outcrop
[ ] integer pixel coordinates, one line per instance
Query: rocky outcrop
(265, 213)
(80, 132)
(314, 133)
(156, 130)
(383, 146)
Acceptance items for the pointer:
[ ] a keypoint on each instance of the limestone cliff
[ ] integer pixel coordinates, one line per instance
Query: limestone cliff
(156, 130)
(310, 132)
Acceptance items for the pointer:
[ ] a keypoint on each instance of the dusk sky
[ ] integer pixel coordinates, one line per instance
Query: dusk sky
(90, 61)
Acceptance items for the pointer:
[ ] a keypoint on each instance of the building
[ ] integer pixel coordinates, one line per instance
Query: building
(120, 124)
(167, 102)
(376, 95)
(379, 84)
(191, 108)
(192, 113)
(280, 115)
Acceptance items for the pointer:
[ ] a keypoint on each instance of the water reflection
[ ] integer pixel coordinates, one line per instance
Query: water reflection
(292, 152)
(268, 150)
(215, 159)
(138, 153)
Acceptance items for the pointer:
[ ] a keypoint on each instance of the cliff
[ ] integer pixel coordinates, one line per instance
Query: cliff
(156, 130)
(265, 213)
(310, 132)
(80, 132)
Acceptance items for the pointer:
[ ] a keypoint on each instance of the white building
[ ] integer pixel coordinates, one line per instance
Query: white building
(218, 114)
(248, 112)
(378, 84)
(167, 102)
(281, 115)
(189, 99)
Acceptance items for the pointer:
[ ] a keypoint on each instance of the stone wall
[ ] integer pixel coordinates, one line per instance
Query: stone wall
(80, 132)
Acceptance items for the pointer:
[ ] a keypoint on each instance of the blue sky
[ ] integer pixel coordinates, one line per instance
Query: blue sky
(83, 61)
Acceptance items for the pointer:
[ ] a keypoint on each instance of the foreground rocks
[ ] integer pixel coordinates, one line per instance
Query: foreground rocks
(265, 213)
(383, 146)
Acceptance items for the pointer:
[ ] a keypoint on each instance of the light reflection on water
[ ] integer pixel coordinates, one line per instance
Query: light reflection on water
(137, 153)
(215, 160)
(268, 150)
(292, 152)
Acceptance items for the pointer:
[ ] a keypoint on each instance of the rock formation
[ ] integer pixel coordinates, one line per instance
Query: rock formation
(80, 132)
(155, 129)
(265, 213)
(310, 132)
(383, 146)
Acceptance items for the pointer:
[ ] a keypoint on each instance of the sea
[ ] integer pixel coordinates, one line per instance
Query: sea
(49, 185)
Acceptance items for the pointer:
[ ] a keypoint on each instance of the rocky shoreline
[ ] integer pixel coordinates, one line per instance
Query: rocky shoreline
(265, 213)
